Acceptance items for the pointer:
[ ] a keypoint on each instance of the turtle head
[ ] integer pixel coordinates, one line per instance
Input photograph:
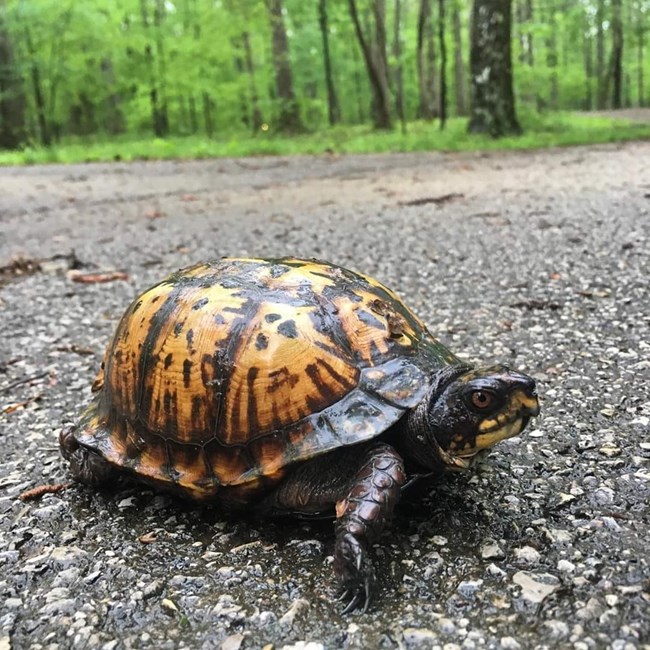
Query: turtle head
(476, 409)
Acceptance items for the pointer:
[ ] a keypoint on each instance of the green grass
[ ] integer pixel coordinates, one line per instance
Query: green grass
(552, 130)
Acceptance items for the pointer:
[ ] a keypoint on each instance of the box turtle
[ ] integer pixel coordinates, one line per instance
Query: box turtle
(289, 386)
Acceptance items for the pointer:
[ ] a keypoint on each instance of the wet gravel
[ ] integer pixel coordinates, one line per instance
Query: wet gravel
(540, 260)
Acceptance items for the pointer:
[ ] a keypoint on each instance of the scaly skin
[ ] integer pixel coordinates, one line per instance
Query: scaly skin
(362, 515)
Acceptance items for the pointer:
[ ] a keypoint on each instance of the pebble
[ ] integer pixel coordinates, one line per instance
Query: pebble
(527, 555)
(304, 645)
(557, 629)
(468, 588)
(446, 626)
(535, 587)
(233, 642)
(419, 637)
(603, 496)
(297, 607)
(492, 551)
(565, 566)
(509, 643)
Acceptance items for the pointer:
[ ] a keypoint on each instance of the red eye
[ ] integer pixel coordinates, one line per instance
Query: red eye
(482, 400)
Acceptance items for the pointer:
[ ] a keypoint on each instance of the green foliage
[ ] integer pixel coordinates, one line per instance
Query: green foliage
(125, 69)
(556, 129)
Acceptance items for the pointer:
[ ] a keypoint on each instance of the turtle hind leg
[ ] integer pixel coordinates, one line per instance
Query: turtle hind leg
(86, 466)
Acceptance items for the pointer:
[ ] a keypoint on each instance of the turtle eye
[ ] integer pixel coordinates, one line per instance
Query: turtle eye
(482, 399)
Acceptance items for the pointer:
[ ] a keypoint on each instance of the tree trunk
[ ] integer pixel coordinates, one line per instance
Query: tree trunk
(492, 97)
(256, 114)
(157, 122)
(114, 121)
(460, 78)
(443, 63)
(600, 56)
(398, 73)
(552, 56)
(589, 67)
(426, 64)
(159, 15)
(376, 74)
(525, 15)
(431, 75)
(617, 54)
(207, 114)
(289, 113)
(12, 98)
(333, 107)
(640, 55)
(39, 97)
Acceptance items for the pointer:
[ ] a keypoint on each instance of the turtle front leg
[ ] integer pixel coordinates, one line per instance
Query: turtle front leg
(361, 517)
(85, 466)
(363, 485)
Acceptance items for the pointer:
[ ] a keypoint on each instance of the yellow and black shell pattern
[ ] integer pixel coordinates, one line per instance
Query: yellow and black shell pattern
(226, 374)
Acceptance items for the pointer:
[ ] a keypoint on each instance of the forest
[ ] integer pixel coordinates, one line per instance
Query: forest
(213, 68)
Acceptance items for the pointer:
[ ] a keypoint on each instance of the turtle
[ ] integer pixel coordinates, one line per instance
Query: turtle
(288, 386)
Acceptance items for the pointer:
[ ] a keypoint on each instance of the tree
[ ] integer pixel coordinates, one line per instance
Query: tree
(333, 107)
(443, 63)
(289, 114)
(617, 54)
(376, 64)
(12, 98)
(492, 96)
(459, 65)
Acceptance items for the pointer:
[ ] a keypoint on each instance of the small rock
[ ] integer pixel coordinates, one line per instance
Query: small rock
(468, 588)
(169, 606)
(439, 540)
(13, 603)
(591, 610)
(535, 586)
(527, 555)
(126, 503)
(419, 637)
(565, 566)
(298, 606)
(446, 626)
(610, 450)
(509, 643)
(557, 629)
(492, 551)
(611, 600)
(233, 642)
(603, 496)
(304, 645)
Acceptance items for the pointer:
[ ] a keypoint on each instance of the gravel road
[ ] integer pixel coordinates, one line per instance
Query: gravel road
(540, 260)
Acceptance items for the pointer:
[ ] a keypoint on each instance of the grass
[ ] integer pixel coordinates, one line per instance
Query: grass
(552, 130)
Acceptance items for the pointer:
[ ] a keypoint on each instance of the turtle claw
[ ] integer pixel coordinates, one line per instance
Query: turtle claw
(356, 573)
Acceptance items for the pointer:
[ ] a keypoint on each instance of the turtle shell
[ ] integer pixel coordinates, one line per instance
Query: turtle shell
(226, 374)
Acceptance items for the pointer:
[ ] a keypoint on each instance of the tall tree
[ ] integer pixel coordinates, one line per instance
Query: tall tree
(12, 98)
(601, 77)
(375, 66)
(640, 43)
(398, 73)
(460, 77)
(617, 54)
(289, 113)
(443, 63)
(426, 63)
(492, 96)
(333, 107)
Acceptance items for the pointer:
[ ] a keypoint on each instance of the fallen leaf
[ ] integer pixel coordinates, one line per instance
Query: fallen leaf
(76, 349)
(94, 278)
(436, 200)
(11, 408)
(148, 538)
(38, 491)
(189, 197)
